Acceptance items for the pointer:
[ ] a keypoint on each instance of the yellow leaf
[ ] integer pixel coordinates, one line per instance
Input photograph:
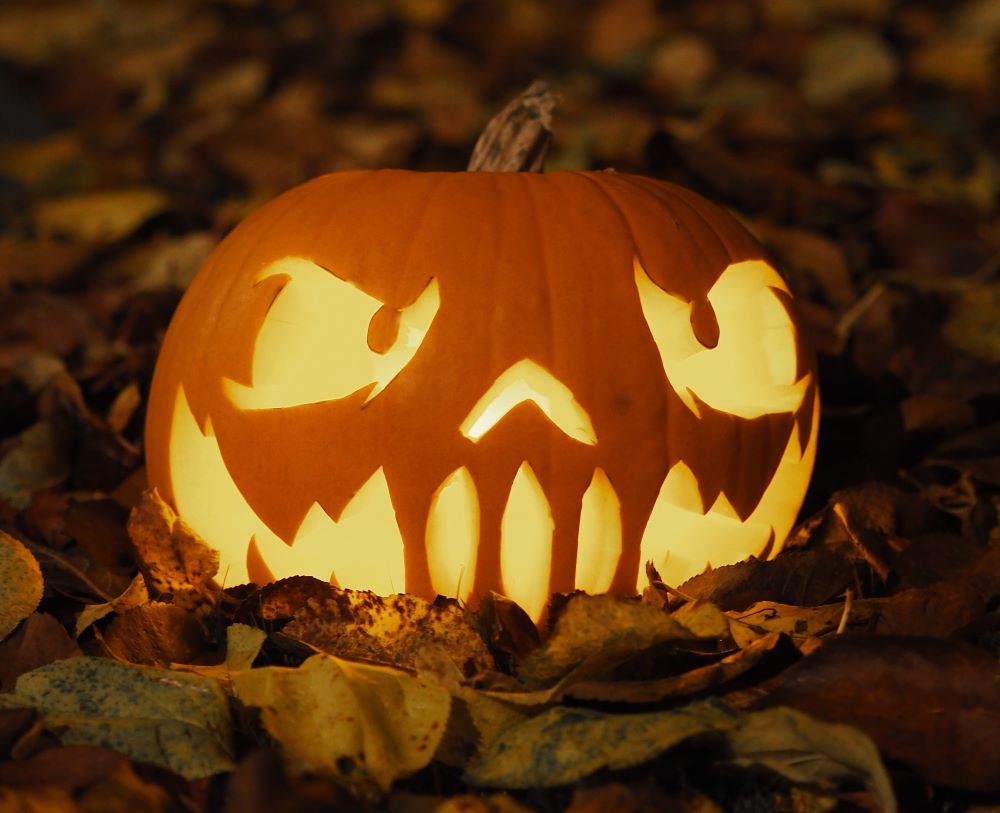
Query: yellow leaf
(134, 595)
(357, 722)
(22, 583)
(172, 719)
(242, 645)
(99, 216)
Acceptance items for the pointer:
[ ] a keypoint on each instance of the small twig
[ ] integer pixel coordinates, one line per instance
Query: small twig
(673, 591)
(848, 603)
(517, 138)
(853, 314)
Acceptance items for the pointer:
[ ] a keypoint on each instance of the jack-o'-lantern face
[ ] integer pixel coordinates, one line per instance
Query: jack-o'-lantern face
(456, 383)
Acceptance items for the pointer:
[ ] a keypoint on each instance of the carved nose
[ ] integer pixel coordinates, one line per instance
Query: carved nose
(528, 381)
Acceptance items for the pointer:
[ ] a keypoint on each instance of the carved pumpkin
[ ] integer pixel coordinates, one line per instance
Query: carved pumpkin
(450, 383)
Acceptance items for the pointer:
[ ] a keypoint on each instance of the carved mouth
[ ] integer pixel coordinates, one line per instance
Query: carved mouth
(364, 547)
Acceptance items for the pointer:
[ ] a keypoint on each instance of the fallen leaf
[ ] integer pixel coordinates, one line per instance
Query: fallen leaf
(21, 578)
(135, 594)
(642, 799)
(563, 745)
(594, 633)
(801, 623)
(972, 324)
(847, 63)
(930, 240)
(243, 644)
(99, 217)
(687, 683)
(803, 577)
(361, 723)
(877, 683)
(401, 630)
(175, 720)
(155, 634)
(260, 785)
(70, 767)
(176, 559)
(809, 752)
(34, 460)
(41, 639)
(37, 800)
(507, 629)
(477, 718)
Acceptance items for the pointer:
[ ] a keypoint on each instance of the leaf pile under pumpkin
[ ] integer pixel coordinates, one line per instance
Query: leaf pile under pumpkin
(371, 693)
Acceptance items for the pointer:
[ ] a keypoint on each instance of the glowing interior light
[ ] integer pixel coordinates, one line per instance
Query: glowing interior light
(751, 372)
(600, 538)
(526, 543)
(528, 381)
(453, 535)
(210, 502)
(313, 345)
(681, 540)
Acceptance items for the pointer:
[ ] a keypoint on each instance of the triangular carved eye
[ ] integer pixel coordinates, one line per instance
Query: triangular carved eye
(324, 339)
(753, 368)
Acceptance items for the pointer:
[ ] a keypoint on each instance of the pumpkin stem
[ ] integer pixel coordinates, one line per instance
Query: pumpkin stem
(517, 138)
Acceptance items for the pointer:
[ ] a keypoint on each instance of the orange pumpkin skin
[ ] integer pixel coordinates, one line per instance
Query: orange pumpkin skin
(543, 268)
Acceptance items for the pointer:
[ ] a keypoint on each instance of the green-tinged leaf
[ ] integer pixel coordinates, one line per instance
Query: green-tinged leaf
(562, 745)
(21, 579)
(808, 751)
(175, 720)
(338, 718)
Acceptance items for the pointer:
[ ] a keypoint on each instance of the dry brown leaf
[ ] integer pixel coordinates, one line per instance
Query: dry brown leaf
(37, 800)
(41, 639)
(694, 681)
(802, 577)
(176, 559)
(401, 630)
(155, 634)
(883, 685)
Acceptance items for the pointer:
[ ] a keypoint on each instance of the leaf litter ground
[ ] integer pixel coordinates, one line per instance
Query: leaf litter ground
(856, 671)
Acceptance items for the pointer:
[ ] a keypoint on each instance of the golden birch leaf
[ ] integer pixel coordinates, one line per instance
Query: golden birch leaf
(21, 581)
